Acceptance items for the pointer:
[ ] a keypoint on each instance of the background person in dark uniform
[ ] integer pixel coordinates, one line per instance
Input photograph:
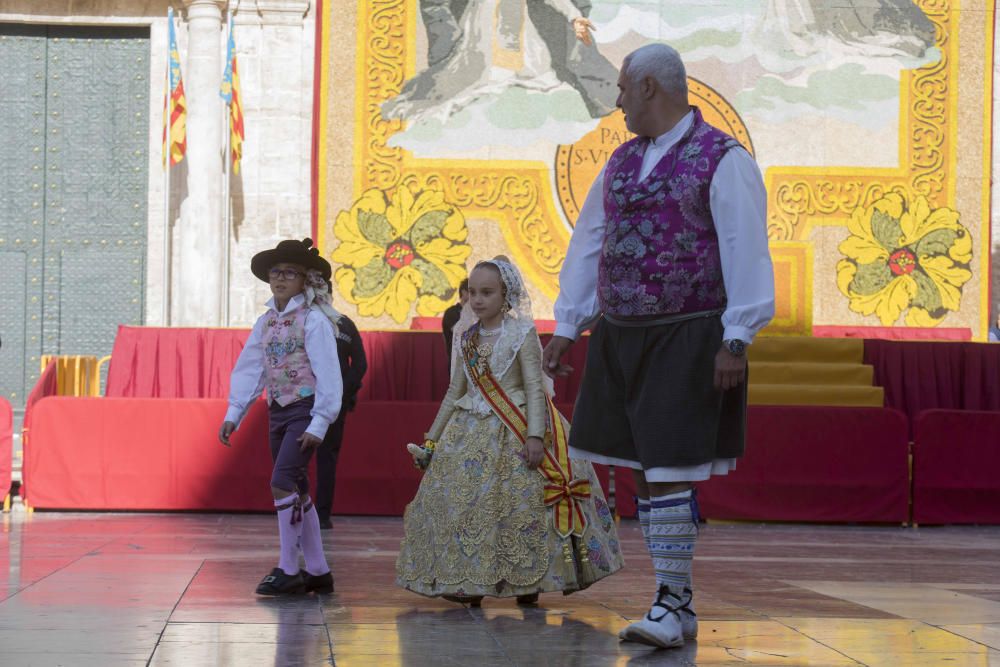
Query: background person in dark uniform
(453, 314)
(353, 366)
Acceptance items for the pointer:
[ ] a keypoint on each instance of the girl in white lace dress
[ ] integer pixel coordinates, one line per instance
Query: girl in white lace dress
(502, 511)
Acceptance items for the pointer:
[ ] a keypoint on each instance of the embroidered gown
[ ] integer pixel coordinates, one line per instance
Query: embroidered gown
(478, 525)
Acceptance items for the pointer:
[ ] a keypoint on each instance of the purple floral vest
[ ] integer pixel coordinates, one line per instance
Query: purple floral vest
(661, 253)
(289, 376)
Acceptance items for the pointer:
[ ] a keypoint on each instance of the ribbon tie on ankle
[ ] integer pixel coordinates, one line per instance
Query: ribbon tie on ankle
(662, 596)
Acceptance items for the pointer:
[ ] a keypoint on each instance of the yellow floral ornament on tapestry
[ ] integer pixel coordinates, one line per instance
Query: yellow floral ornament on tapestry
(400, 250)
(902, 258)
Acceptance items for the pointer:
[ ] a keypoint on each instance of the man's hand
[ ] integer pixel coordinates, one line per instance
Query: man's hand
(534, 451)
(225, 431)
(730, 370)
(582, 28)
(552, 357)
(309, 441)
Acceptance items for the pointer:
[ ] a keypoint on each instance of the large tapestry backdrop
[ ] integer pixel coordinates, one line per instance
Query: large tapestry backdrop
(454, 130)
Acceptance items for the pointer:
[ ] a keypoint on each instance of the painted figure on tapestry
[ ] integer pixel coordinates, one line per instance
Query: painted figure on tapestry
(886, 25)
(502, 509)
(480, 47)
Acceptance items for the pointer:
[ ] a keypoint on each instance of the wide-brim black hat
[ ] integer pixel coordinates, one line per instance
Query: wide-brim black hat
(291, 252)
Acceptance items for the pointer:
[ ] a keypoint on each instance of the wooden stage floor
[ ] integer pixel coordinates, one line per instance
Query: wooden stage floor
(161, 589)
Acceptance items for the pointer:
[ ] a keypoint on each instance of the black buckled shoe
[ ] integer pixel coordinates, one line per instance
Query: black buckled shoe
(471, 600)
(319, 583)
(279, 583)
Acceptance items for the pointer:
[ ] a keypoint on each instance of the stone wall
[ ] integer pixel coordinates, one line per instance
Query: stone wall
(271, 194)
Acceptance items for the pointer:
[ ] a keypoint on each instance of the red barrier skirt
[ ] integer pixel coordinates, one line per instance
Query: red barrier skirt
(802, 463)
(164, 454)
(823, 464)
(956, 467)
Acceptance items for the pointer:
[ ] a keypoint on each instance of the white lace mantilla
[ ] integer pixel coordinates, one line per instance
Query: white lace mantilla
(517, 323)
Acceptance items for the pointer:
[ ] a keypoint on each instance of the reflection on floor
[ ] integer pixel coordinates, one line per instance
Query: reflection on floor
(112, 589)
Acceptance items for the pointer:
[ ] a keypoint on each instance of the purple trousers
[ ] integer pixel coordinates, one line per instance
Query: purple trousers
(286, 424)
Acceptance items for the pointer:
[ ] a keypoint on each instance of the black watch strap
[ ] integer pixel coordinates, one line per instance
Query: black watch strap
(736, 347)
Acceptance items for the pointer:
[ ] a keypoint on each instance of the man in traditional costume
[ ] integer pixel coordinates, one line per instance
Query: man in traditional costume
(670, 257)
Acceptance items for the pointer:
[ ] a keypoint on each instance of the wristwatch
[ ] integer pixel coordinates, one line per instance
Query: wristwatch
(736, 347)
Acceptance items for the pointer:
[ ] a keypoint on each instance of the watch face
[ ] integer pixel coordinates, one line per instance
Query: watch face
(737, 347)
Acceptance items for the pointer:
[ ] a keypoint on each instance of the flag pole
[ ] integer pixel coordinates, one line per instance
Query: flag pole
(226, 203)
(165, 315)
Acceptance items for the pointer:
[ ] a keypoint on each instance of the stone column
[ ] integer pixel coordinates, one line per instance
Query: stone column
(271, 194)
(200, 242)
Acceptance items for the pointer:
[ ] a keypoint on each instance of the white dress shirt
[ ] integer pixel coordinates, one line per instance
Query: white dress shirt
(248, 378)
(739, 208)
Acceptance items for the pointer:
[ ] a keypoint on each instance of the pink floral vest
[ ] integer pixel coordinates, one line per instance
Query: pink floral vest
(289, 376)
(661, 254)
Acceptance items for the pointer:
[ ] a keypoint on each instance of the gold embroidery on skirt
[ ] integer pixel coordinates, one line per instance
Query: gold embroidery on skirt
(478, 524)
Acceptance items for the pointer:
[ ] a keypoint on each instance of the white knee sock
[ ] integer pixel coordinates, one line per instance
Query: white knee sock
(672, 535)
(289, 520)
(312, 540)
(642, 513)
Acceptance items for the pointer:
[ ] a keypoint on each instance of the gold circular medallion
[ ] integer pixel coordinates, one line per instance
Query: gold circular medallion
(578, 164)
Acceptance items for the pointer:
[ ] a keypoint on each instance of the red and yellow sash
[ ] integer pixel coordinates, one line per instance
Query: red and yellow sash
(562, 493)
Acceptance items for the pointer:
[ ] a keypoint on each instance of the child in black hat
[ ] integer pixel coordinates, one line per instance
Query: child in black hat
(292, 352)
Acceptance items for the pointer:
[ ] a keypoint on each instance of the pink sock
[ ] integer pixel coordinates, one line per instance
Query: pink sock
(288, 532)
(312, 541)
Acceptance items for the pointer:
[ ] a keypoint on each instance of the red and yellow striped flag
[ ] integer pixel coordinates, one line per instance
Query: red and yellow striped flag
(230, 92)
(174, 104)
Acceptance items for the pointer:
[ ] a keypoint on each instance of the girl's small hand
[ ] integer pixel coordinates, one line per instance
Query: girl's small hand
(534, 451)
(225, 431)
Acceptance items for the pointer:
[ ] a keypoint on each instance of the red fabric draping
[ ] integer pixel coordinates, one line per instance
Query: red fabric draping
(426, 324)
(806, 463)
(6, 445)
(434, 324)
(151, 362)
(375, 474)
(411, 366)
(956, 467)
(46, 385)
(162, 454)
(144, 454)
(148, 362)
(920, 376)
(404, 366)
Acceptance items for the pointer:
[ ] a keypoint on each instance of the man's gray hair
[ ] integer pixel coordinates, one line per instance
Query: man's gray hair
(662, 63)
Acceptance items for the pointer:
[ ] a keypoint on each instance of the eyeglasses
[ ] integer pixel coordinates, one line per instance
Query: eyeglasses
(286, 274)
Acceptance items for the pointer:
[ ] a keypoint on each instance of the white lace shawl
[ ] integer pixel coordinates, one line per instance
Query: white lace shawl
(517, 323)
